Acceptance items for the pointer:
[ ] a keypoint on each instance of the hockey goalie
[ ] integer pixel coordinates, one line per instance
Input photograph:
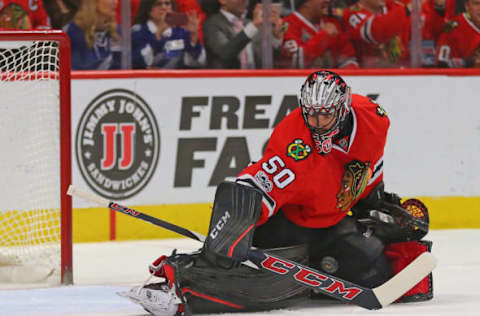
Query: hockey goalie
(316, 197)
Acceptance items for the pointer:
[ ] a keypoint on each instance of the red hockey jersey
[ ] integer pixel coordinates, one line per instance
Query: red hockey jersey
(21, 14)
(380, 40)
(316, 190)
(305, 46)
(459, 43)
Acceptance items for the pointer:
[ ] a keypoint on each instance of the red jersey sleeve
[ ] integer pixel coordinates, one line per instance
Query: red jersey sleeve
(381, 28)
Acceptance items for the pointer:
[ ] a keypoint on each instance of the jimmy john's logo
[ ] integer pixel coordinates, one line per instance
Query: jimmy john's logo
(117, 144)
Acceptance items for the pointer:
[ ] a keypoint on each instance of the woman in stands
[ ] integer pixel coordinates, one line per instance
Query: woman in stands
(94, 36)
(162, 38)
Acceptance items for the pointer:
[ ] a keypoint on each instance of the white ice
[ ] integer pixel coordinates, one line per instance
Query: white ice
(102, 269)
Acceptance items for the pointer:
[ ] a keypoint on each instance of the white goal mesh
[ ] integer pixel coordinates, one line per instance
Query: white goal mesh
(31, 163)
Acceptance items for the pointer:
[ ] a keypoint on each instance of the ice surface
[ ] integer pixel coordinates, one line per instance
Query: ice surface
(102, 269)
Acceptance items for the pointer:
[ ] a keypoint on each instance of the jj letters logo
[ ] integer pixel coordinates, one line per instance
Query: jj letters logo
(117, 144)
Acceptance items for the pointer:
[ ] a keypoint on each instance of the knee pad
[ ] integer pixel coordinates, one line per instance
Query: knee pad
(400, 255)
(352, 254)
(209, 289)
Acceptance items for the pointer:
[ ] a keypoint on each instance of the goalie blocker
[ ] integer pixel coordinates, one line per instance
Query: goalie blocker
(236, 210)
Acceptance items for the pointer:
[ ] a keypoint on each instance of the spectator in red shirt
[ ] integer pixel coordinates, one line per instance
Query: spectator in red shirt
(433, 12)
(315, 39)
(380, 32)
(459, 45)
(433, 19)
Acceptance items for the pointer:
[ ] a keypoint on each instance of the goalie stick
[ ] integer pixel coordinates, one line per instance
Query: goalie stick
(348, 292)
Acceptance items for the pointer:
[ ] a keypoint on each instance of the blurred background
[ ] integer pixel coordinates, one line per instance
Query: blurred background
(253, 34)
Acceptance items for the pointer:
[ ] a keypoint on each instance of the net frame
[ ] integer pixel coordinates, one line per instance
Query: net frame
(64, 69)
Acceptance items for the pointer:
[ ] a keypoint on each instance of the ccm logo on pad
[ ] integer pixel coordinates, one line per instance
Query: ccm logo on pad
(220, 224)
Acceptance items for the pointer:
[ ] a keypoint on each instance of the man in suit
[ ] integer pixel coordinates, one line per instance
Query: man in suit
(233, 42)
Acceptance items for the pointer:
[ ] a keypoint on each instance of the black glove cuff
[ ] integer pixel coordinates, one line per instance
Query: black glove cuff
(392, 198)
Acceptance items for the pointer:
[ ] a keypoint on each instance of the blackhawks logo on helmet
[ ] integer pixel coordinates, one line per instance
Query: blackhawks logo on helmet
(298, 150)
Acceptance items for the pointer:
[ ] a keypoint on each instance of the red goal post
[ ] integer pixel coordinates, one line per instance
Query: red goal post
(36, 212)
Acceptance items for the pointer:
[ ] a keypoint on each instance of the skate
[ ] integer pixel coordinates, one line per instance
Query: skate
(156, 298)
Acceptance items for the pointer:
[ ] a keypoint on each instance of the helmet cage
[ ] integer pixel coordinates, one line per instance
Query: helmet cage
(325, 92)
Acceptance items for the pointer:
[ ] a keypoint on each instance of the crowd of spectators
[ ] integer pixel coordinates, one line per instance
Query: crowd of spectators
(189, 34)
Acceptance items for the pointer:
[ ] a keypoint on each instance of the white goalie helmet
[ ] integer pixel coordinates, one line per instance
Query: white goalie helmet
(325, 92)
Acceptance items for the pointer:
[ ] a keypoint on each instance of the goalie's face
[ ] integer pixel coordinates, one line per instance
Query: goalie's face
(322, 122)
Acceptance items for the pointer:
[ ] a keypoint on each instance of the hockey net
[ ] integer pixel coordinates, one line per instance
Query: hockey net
(35, 165)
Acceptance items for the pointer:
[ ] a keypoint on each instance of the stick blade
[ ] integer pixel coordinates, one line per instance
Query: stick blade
(87, 196)
(71, 190)
(406, 279)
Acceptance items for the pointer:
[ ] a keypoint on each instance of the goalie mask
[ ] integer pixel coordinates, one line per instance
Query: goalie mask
(325, 102)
